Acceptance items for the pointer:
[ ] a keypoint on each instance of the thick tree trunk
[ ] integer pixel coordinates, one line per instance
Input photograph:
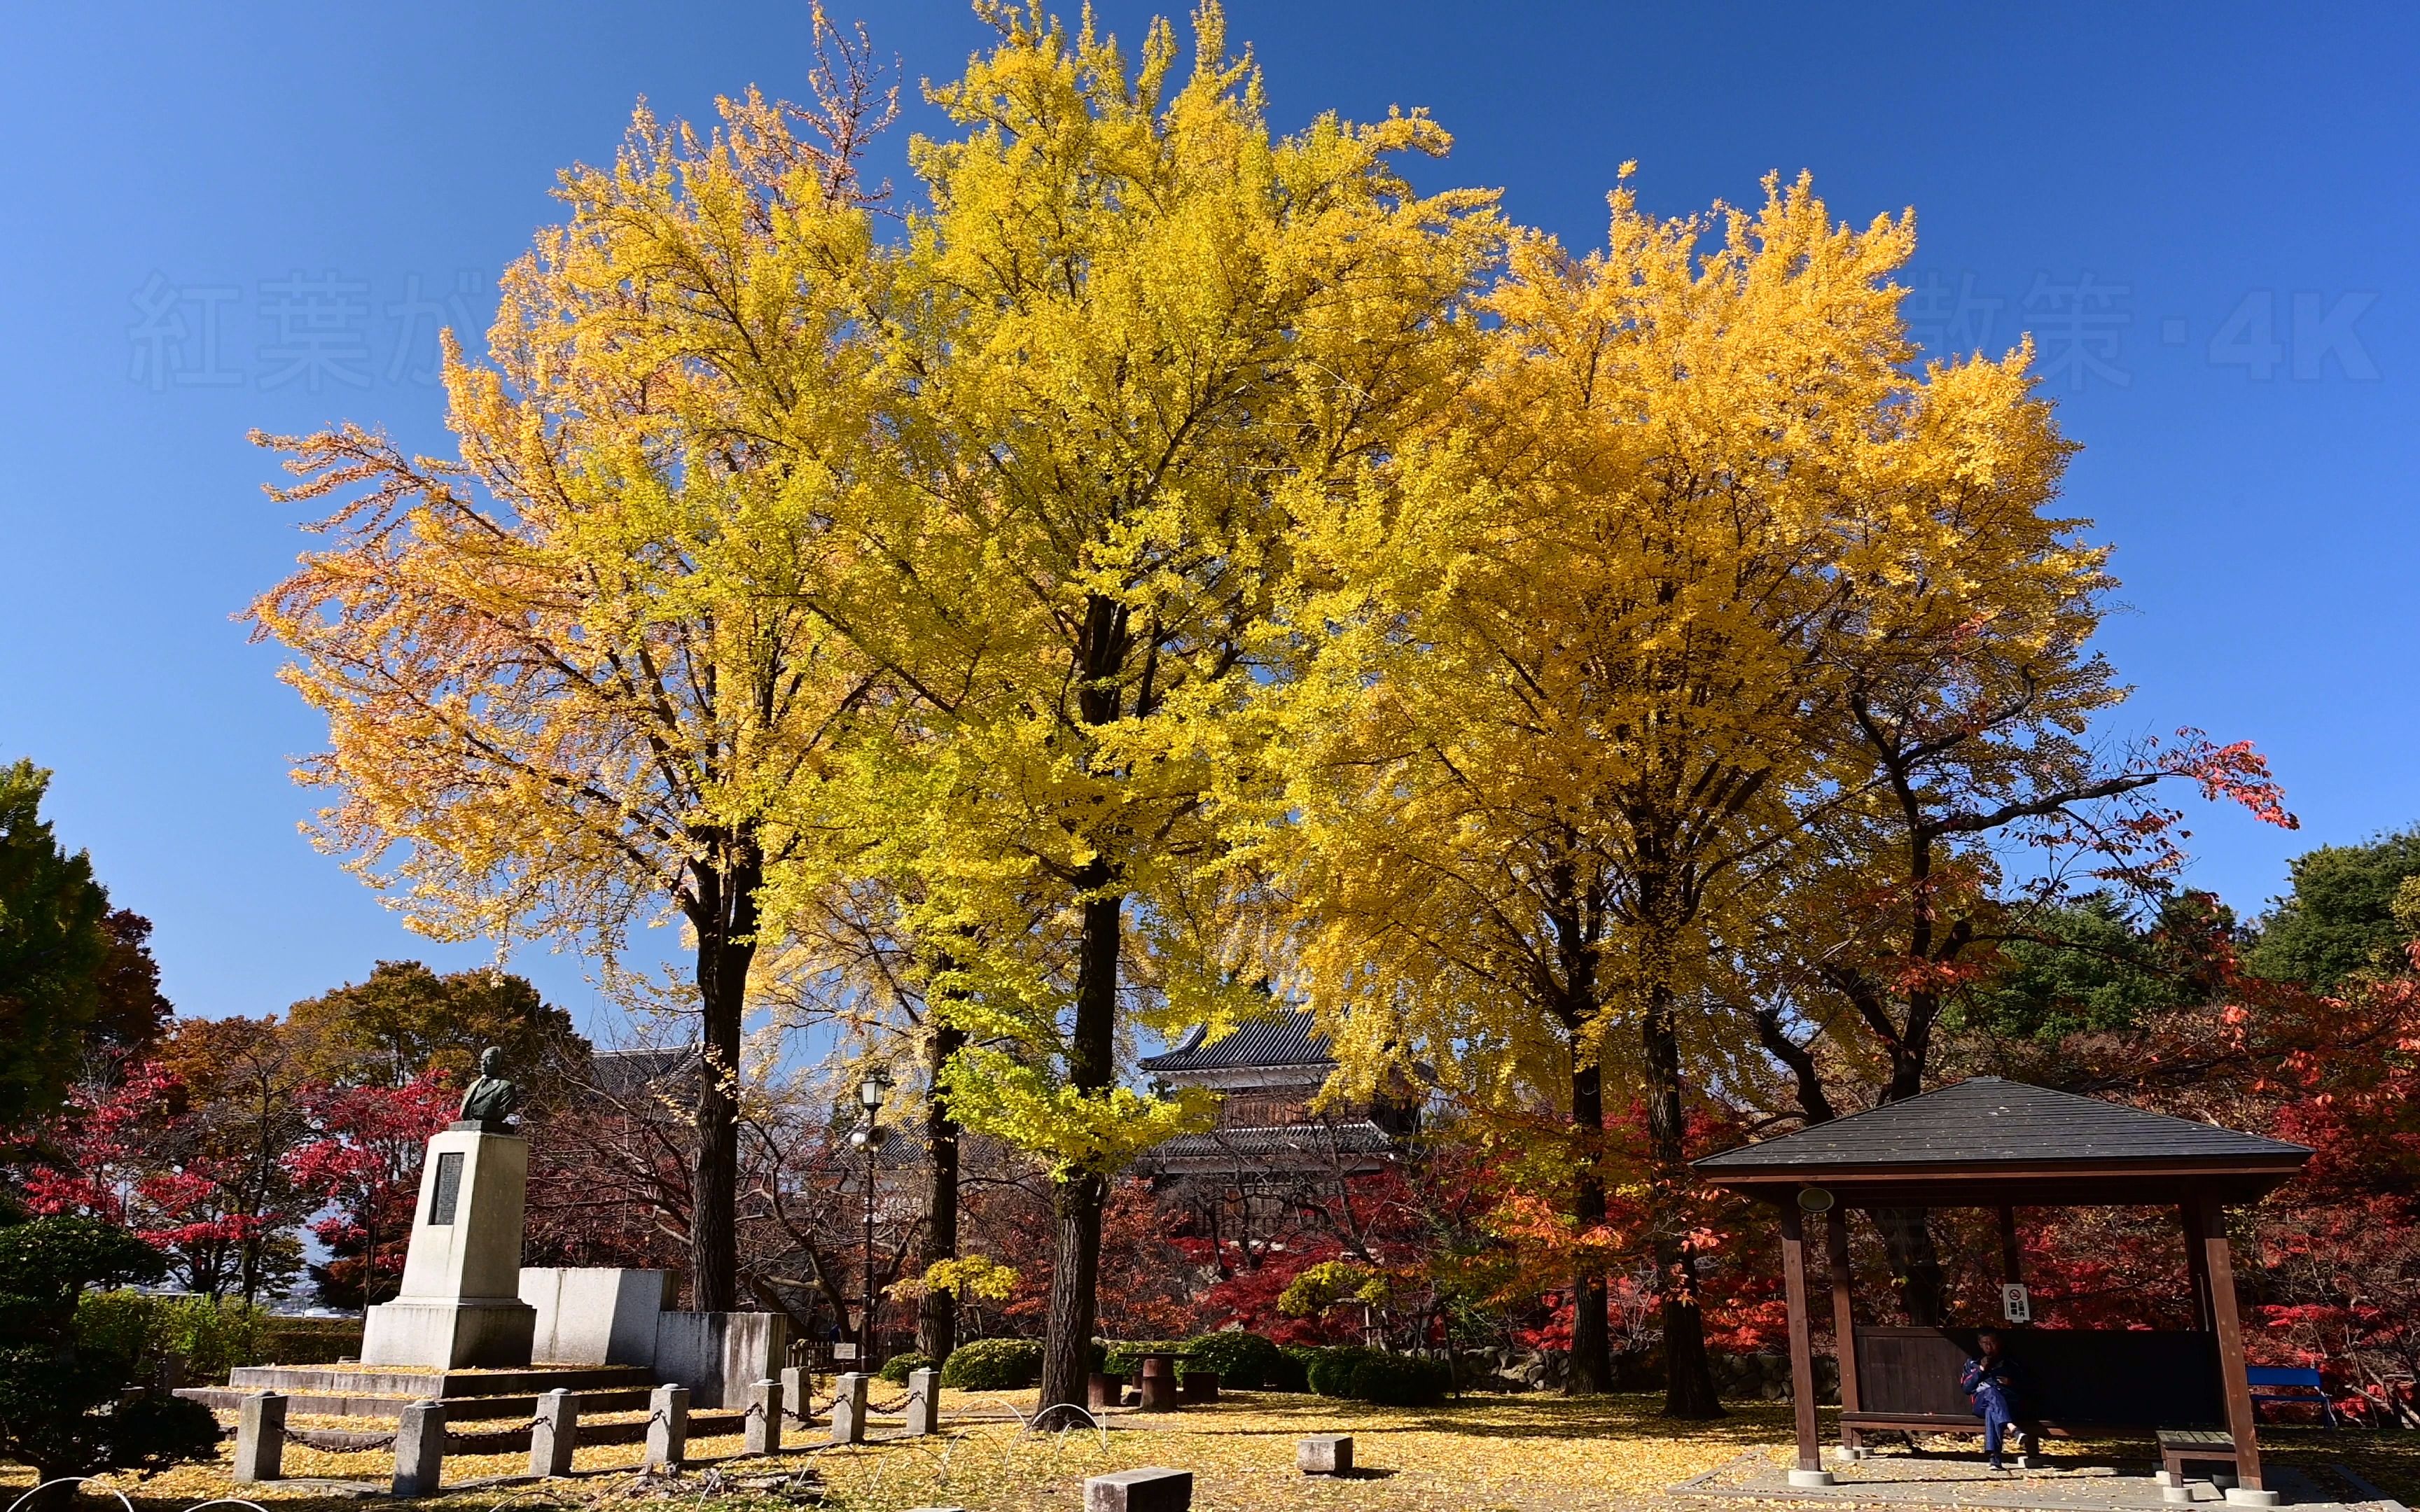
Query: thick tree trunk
(1075, 1254)
(937, 1323)
(1688, 1376)
(726, 922)
(1591, 1364)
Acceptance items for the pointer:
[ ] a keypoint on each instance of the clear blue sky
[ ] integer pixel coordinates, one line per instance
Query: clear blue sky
(207, 205)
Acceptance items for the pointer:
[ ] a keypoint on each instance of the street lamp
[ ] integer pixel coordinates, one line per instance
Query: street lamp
(867, 1136)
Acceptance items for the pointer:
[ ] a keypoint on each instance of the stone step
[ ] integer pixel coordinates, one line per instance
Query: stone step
(711, 1423)
(415, 1385)
(321, 1404)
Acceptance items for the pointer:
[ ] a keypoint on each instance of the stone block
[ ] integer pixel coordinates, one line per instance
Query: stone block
(1150, 1489)
(1158, 1385)
(797, 1397)
(2178, 1494)
(923, 1403)
(467, 1334)
(1325, 1454)
(1102, 1389)
(1197, 1386)
(718, 1355)
(1809, 1479)
(668, 1426)
(420, 1450)
(760, 1428)
(596, 1315)
(260, 1437)
(554, 1433)
(848, 1412)
(466, 1232)
(2252, 1496)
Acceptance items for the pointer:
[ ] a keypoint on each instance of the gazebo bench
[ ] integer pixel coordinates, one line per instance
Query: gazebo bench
(2179, 1447)
(2029, 1431)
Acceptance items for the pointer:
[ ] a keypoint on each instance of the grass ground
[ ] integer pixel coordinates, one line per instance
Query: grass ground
(1524, 1453)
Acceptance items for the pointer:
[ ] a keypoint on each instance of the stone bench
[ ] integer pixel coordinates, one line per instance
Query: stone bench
(1325, 1454)
(1154, 1488)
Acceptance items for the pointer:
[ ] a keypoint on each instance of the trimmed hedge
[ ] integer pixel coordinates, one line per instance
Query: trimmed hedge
(1246, 1362)
(1124, 1357)
(313, 1340)
(1400, 1381)
(993, 1364)
(894, 1369)
(1354, 1372)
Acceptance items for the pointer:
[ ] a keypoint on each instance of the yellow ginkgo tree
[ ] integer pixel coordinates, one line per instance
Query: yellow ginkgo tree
(1136, 338)
(1573, 676)
(574, 680)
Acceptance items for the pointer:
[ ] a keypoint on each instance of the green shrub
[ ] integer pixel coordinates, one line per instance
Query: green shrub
(60, 1404)
(993, 1364)
(1246, 1362)
(1399, 1380)
(1329, 1369)
(894, 1369)
(214, 1335)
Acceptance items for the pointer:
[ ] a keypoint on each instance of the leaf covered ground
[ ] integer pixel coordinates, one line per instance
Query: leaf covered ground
(1535, 1454)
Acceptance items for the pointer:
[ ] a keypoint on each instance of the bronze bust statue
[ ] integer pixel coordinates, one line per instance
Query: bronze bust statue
(491, 1101)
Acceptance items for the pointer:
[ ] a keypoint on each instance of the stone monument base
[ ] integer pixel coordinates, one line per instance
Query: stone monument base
(469, 1334)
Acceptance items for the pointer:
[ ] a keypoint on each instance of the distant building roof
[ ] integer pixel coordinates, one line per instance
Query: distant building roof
(1283, 1039)
(1353, 1136)
(630, 1073)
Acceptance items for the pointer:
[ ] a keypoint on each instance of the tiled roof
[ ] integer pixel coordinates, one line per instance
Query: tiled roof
(1284, 1038)
(623, 1073)
(1985, 1120)
(1356, 1136)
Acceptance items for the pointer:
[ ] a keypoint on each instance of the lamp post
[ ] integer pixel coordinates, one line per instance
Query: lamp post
(867, 1136)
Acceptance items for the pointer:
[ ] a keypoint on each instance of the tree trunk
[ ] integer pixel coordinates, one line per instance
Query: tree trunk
(1688, 1376)
(936, 1322)
(1915, 1264)
(724, 918)
(1591, 1362)
(1075, 1255)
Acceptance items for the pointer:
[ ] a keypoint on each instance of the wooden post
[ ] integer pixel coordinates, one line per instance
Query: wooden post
(1802, 1348)
(1844, 1317)
(2197, 1267)
(2211, 1221)
(2012, 1257)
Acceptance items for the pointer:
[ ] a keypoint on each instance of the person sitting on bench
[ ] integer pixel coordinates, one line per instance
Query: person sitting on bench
(1990, 1382)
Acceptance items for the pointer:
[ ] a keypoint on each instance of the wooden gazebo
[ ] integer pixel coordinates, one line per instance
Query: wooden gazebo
(1988, 1143)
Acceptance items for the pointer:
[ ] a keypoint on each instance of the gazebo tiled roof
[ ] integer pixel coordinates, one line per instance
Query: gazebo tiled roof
(1988, 1140)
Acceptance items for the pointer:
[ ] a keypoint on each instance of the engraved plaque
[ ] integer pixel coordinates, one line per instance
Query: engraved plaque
(449, 1188)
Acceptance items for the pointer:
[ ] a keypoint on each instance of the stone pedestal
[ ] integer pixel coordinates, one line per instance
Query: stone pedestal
(460, 1306)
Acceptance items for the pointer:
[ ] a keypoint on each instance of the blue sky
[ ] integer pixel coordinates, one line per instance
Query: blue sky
(2207, 213)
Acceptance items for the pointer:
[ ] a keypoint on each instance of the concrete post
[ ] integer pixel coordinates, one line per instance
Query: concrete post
(420, 1449)
(668, 1426)
(555, 1435)
(760, 1430)
(923, 1403)
(849, 1412)
(260, 1437)
(798, 1396)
